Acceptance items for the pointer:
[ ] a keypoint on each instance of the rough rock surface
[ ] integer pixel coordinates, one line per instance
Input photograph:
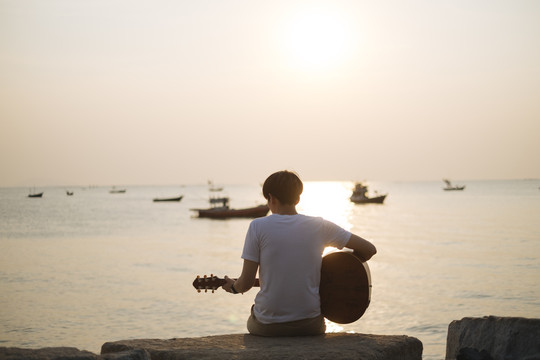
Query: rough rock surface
(244, 346)
(50, 353)
(67, 353)
(502, 338)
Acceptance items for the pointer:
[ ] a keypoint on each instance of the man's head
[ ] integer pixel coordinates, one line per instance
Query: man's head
(285, 186)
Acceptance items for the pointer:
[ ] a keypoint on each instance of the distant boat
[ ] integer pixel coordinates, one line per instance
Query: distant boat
(211, 186)
(450, 187)
(69, 193)
(224, 212)
(169, 199)
(117, 191)
(359, 195)
(217, 199)
(35, 195)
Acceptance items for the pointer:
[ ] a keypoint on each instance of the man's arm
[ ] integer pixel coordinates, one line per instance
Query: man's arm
(363, 248)
(246, 279)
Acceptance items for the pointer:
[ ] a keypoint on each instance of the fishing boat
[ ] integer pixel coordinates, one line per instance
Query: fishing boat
(217, 199)
(224, 212)
(219, 207)
(178, 198)
(359, 195)
(35, 195)
(450, 187)
(69, 193)
(223, 200)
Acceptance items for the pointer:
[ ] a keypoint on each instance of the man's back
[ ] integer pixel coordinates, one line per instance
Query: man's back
(289, 249)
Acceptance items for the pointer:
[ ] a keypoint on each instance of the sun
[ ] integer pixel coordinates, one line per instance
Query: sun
(316, 39)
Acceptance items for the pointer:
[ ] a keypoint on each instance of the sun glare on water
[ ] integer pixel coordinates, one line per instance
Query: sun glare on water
(316, 39)
(329, 200)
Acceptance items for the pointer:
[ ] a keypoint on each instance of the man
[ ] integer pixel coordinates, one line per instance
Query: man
(286, 248)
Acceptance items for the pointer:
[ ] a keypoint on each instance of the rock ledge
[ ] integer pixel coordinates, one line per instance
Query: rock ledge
(244, 346)
(493, 338)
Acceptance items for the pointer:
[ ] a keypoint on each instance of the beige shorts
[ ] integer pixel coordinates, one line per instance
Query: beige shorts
(304, 327)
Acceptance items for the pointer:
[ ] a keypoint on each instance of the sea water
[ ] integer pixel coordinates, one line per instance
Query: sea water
(94, 267)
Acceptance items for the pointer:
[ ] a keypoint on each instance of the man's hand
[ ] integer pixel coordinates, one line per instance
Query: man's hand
(228, 285)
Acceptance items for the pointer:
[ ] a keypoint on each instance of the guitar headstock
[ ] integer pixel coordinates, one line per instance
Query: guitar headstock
(207, 283)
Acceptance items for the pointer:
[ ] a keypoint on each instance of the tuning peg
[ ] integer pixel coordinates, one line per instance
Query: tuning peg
(198, 278)
(198, 290)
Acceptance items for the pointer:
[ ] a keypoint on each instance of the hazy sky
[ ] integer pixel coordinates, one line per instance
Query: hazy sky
(127, 92)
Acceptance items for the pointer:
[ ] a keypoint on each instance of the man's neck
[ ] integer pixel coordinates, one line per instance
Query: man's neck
(286, 210)
(280, 208)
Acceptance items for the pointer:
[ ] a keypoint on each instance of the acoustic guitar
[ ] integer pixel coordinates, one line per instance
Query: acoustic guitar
(345, 287)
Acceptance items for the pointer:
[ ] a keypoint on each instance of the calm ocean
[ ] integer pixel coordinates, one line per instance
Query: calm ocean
(94, 267)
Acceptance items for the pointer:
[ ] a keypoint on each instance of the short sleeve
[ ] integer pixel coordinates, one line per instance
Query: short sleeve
(335, 235)
(251, 250)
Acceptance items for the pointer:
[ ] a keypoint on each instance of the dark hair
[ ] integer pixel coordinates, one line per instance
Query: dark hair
(285, 185)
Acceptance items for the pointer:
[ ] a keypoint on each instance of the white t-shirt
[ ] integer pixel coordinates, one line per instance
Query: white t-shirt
(289, 251)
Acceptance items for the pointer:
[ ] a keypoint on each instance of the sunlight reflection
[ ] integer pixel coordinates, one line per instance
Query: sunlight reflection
(328, 250)
(329, 199)
(332, 327)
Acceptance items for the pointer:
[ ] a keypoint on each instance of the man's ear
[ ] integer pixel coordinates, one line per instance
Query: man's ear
(273, 200)
(297, 200)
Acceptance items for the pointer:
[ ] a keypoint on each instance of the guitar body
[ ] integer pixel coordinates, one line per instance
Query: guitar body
(345, 287)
